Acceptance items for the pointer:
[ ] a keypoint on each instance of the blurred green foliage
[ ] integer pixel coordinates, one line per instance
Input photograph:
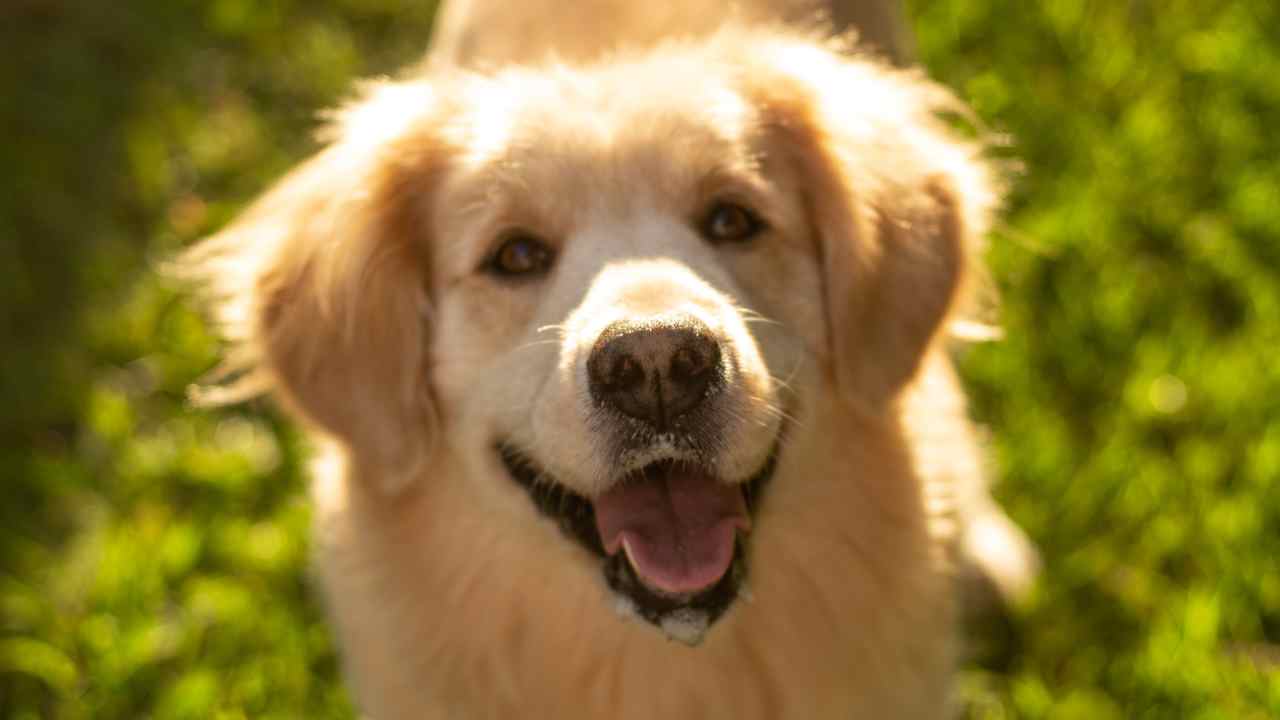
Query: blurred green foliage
(1135, 402)
(154, 558)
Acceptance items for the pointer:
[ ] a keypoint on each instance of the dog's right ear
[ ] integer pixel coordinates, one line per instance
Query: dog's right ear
(321, 286)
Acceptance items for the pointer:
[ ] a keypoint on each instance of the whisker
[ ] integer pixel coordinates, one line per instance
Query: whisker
(784, 415)
(786, 384)
(783, 384)
(751, 316)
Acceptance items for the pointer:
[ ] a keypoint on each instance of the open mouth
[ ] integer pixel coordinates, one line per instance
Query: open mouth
(671, 535)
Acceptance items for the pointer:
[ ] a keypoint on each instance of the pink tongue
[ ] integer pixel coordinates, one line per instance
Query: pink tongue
(676, 525)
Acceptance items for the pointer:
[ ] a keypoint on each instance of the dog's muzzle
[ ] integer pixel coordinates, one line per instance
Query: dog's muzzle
(675, 521)
(671, 531)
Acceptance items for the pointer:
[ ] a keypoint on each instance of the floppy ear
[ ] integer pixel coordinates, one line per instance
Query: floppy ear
(897, 201)
(320, 287)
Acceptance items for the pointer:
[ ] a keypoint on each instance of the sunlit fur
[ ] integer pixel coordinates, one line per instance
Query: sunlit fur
(355, 292)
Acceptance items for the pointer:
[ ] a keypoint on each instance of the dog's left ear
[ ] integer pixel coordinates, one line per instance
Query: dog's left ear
(321, 286)
(897, 201)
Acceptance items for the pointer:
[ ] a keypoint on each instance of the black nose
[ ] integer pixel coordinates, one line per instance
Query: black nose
(654, 371)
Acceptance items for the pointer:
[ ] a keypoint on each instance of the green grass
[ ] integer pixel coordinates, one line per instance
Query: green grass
(154, 558)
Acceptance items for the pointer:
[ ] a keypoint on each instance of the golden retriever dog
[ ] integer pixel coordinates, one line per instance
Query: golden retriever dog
(626, 368)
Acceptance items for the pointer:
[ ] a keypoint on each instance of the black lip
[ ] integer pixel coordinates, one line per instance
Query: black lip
(576, 518)
(571, 511)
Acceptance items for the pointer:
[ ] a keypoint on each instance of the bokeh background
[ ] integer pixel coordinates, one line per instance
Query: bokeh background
(153, 558)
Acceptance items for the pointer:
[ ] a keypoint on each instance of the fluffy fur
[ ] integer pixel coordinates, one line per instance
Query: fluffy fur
(356, 292)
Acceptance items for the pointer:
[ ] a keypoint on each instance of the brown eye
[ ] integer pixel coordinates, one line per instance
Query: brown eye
(728, 222)
(521, 255)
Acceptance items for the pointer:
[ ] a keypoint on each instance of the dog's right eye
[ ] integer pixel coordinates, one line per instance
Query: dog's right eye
(521, 255)
(728, 222)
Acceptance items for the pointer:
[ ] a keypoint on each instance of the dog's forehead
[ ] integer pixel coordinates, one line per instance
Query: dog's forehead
(610, 131)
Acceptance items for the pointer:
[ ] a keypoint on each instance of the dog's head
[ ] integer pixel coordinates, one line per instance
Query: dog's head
(615, 289)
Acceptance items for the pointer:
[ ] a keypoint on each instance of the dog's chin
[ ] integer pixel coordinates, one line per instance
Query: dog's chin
(672, 539)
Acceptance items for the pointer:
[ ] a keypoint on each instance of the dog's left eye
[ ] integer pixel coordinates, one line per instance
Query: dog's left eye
(521, 255)
(728, 222)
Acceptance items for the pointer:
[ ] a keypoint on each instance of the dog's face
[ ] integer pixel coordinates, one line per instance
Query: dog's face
(611, 290)
(599, 319)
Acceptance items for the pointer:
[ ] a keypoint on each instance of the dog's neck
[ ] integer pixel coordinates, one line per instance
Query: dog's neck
(445, 576)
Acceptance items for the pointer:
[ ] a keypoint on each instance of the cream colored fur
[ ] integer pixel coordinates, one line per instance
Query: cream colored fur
(353, 292)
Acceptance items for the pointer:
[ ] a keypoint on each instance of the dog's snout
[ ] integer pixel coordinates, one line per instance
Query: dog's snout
(655, 371)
